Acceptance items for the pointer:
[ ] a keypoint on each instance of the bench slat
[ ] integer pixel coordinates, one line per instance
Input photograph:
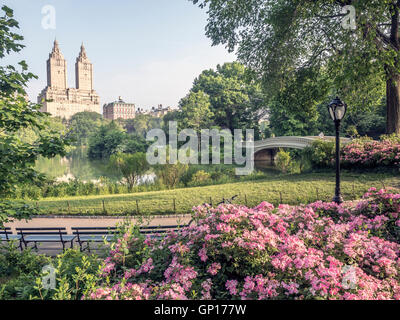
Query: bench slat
(49, 238)
(9, 237)
(41, 229)
(95, 238)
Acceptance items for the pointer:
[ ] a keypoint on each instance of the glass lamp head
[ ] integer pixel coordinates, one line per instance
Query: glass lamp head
(337, 109)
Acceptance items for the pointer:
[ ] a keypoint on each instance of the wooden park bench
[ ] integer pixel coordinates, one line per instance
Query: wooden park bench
(160, 231)
(86, 235)
(7, 235)
(49, 235)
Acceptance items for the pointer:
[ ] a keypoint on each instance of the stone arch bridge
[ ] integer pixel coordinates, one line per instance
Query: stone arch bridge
(265, 150)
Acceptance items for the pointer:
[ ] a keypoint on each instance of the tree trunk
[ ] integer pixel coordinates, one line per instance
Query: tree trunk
(393, 104)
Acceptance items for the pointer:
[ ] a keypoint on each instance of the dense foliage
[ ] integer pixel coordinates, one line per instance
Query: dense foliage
(365, 153)
(307, 51)
(321, 154)
(18, 155)
(141, 124)
(21, 274)
(318, 251)
(131, 166)
(226, 98)
(192, 175)
(196, 111)
(111, 138)
(283, 122)
(107, 140)
(83, 125)
(361, 153)
(171, 174)
(283, 160)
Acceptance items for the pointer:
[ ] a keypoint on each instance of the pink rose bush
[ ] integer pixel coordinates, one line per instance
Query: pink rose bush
(315, 251)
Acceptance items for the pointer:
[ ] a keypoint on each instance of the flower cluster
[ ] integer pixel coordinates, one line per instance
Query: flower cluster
(318, 251)
(368, 153)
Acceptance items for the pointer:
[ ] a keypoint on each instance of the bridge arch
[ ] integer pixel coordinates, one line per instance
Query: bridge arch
(265, 150)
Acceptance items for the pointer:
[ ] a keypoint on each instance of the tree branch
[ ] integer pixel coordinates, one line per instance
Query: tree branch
(329, 40)
(344, 3)
(385, 39)
(332, 16)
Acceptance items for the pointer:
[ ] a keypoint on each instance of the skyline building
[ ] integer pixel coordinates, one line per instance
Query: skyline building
(59, 100)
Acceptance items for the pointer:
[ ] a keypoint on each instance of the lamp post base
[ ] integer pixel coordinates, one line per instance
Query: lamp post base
(338, 199)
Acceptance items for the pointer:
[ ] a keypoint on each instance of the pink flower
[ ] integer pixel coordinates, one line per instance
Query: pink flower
(214, 268)
(203, 254)
(231, 286)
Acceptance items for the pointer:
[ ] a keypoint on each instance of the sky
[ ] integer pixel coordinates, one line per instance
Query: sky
(146, 51)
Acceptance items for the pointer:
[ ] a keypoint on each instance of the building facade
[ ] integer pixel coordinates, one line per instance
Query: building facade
(157, 112)
(160, 111)
(61, 101)
(119, 110)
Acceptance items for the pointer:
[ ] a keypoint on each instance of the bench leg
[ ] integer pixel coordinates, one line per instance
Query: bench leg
(23, 244)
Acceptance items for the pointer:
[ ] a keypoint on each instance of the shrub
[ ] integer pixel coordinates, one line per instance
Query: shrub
(321, 154)
(200, 177)
(171, 174)
(283, 160)
(319, 251)
(361, 153)
(77, 274)
(131, 166)
(21, 273)
(364, 153)
(351, 131)
(393, 138)
(294, 167)
(18, 271)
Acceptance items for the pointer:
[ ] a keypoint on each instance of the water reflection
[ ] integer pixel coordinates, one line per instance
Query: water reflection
(76, 165)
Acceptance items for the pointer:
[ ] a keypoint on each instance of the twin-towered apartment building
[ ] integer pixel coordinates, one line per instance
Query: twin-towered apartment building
(61, 101)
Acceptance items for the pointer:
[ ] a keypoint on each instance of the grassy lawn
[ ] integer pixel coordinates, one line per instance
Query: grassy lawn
(294, 189)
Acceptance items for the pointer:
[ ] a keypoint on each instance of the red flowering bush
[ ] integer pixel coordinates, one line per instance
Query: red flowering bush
(318, 251)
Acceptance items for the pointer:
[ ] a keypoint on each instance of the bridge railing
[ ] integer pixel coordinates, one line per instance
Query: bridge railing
(290, 142)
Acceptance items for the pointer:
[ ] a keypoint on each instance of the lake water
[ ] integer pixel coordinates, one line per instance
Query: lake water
(76, 165)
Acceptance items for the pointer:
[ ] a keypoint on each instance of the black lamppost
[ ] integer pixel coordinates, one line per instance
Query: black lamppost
(337, 110)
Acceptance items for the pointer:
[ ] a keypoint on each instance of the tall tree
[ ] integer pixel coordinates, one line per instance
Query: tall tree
(82, 125)
(141, 124)
(236, 98)
(196, 113)
(107, 140)
(18, 155)
(131, 166)
(278, 39)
